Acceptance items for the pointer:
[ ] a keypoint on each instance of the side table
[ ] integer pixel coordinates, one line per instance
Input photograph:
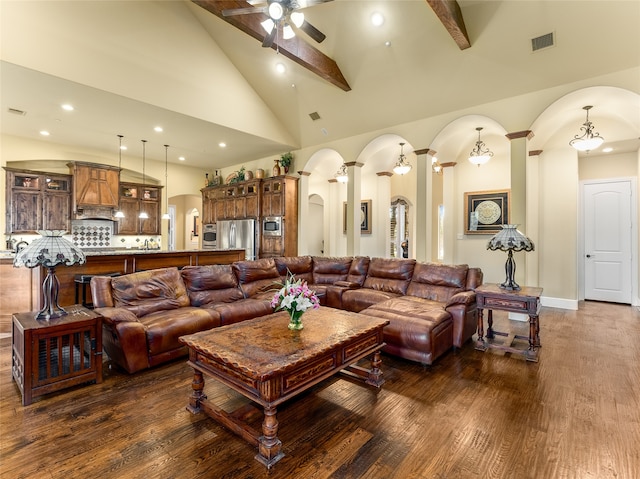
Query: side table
(526, 301)
(49, 355)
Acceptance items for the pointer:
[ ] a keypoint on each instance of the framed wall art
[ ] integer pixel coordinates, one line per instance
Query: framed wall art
(365, 217)
(486, 211)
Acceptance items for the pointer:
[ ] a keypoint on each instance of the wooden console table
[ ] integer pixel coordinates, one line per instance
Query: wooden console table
(525, 301)
(49, 355)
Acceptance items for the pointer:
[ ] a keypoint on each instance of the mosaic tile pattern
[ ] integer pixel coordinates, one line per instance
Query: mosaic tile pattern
(91, 234)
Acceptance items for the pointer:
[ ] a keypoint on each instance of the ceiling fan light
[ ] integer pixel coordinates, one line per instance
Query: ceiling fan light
(268, 25)
(297, 18)
(287, 32)
(276, 11)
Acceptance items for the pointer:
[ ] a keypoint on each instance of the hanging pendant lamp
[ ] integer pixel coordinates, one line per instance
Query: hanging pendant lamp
(588, 140)
(119, 213)
(402, 165)
(341, 175)
(143, 214)
(480, 154)
(166, 216)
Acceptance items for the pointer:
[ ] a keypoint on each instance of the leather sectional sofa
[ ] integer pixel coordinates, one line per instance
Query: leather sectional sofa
(430, 307)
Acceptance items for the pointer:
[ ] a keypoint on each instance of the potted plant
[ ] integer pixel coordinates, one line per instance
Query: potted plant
(285, 161)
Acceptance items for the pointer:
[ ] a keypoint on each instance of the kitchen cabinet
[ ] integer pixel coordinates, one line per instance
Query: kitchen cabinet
(280, 198)
(36, 201)
(233, 201)
(134, 199)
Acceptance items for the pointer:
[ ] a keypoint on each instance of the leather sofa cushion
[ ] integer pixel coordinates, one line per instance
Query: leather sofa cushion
(146, 292)
(358, 270)
(163, 328)
(300, 266)
(242, 310)
(390, 275)
(437, 282)
(211, 284)
(330, 270)
(358, 299)
(257, 276)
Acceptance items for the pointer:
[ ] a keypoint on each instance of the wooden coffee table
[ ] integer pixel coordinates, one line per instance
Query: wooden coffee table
(268, 363)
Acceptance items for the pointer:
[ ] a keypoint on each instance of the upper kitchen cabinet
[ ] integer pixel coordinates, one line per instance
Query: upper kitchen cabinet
(37, 201)
(135, 199)
(96, 190)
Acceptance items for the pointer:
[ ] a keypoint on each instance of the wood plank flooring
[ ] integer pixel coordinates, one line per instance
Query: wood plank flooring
(575, 414)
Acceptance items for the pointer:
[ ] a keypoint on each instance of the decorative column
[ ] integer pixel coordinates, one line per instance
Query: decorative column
(333, 245)
(449, 201)
(425, 224)
(532, 227)
(381, 228)
(354, 195)
(519, 176)
(303, 213)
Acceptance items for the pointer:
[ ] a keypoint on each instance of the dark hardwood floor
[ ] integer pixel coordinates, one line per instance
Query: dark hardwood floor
(575, 414)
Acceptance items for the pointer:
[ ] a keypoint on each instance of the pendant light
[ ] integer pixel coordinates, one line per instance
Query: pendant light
(119, 213)
(143, 214)
(166, 216)
(402, 165)
(341, 175)
(480, 154)
(588, 140)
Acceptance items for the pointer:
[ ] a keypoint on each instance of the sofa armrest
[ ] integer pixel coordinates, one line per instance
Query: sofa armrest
(347, 284)
(116, 315)
(466, 298)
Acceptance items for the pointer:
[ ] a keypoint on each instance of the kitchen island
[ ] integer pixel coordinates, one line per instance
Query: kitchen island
(20, 287)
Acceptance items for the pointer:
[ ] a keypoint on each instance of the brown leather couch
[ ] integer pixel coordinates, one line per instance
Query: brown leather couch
(431, 307)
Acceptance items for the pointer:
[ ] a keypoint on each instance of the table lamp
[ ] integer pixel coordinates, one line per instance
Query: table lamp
(510, 240)
(49, 251)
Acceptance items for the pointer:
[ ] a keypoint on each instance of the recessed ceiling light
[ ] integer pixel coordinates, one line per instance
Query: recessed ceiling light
(280, 68)
(222, 144)
(44, 133)
(158, 129)
(377, 19)
(181, 158)
(67, 107)
(607, 150)
(387, 43)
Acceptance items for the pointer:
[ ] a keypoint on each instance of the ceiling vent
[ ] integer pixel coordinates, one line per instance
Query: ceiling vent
(543, 41)
(15, 111)
(314, 116)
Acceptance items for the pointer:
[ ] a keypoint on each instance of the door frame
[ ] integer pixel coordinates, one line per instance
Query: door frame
(635, 301)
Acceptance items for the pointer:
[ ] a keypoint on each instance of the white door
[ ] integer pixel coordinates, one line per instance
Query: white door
(607, 241)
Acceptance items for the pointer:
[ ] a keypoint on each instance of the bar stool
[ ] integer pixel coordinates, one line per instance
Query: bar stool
(82, 280)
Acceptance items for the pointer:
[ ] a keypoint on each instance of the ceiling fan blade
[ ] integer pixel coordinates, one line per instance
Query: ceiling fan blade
(242, 11)
(270, 37)
(313, 32)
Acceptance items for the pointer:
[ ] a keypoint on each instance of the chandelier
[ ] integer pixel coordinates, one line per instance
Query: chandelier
(480, 154)
(402, 165)
(436, 167)
(588, 140)
(341, 175)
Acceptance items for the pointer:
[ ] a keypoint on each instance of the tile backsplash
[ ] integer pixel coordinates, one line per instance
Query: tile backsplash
(92, 233)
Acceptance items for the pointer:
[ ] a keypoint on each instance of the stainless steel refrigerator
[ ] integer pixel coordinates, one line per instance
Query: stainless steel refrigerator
(238, 234)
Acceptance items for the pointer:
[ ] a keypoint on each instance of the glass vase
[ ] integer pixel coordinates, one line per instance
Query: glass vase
(295, 320)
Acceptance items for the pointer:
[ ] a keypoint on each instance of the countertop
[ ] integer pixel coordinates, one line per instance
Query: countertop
(6, 254)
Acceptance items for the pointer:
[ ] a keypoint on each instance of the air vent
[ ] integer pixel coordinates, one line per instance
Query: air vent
(15, 111)
(314, 116)
(543, 41)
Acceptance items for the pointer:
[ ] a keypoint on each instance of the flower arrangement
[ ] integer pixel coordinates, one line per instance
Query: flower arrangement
(295, 297)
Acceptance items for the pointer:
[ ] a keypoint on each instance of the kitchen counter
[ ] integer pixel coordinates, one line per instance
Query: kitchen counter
(21, 286)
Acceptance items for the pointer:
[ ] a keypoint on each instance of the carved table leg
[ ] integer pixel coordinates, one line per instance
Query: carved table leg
(375, 373)
(269, 446)
(197, 395)
(490, 334)
(480, 344)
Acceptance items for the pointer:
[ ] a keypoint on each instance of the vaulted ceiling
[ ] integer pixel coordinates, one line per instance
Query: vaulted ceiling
(130, 65)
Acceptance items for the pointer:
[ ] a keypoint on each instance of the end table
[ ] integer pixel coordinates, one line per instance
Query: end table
(49, 355)
(526, 300)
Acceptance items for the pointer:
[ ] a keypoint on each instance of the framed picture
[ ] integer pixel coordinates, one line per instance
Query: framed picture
(486, 211)
(365, 217)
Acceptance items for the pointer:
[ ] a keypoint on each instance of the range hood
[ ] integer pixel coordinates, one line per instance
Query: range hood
(95, 190)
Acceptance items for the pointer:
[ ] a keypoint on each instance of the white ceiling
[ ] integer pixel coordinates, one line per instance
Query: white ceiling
(421, 74)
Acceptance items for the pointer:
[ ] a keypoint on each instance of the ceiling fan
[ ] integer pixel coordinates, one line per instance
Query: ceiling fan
(283, 15)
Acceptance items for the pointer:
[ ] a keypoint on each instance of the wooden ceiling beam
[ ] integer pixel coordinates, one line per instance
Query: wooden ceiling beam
(295, 49)
(449, 13)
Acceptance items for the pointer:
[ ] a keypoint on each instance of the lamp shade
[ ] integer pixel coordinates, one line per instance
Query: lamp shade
(49, 251)
(510, 239)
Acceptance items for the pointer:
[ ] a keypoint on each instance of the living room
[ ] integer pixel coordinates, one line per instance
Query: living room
(509, 92)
